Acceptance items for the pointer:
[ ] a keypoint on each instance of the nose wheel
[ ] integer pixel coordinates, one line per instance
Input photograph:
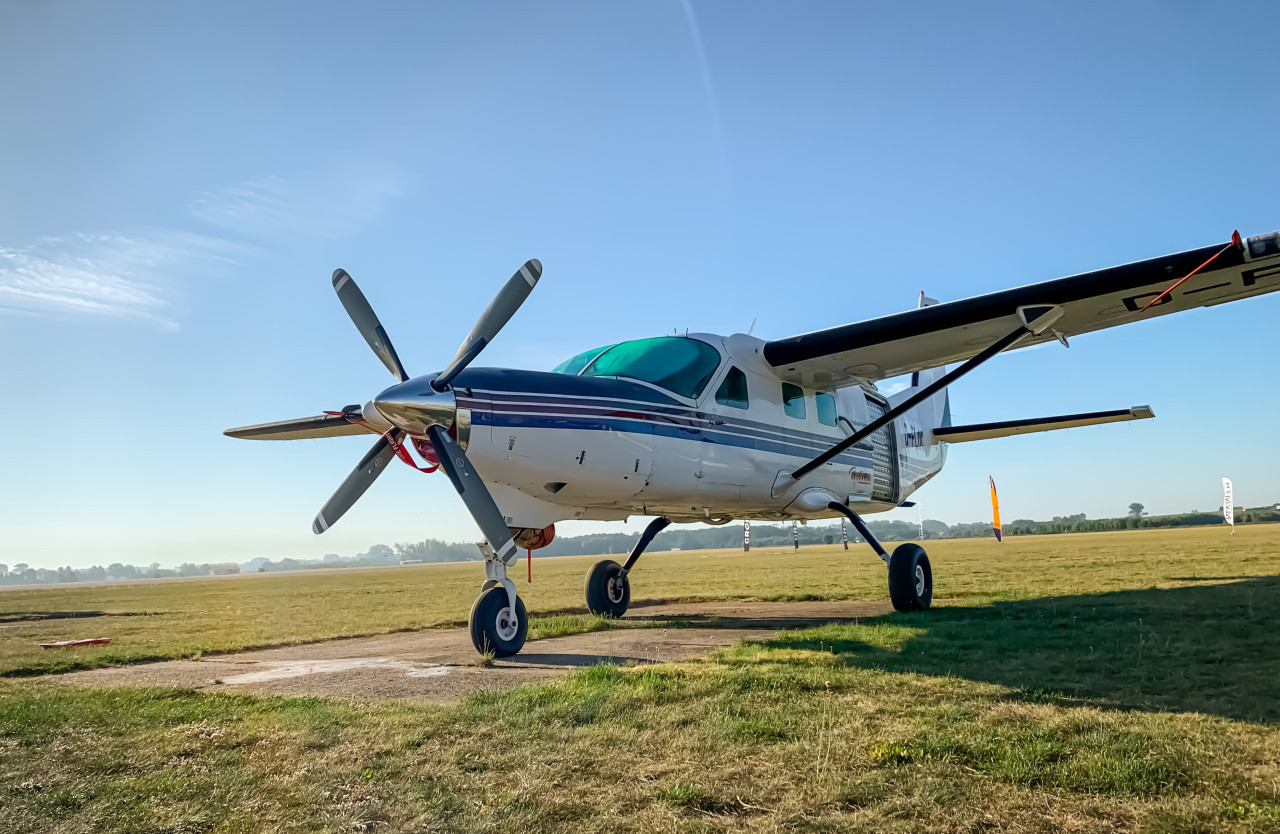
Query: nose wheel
(495, 627)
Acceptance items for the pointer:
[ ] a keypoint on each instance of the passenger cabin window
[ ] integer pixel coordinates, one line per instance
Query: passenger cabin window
(793, 401)
(826, 404)
(733, 391)
(679, 364)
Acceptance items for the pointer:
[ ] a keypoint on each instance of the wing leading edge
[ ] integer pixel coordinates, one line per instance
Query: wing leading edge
(957, 330)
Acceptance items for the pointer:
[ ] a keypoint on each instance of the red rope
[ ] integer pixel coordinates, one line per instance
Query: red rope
(403, 454)
(528, 557)
(1179, 283)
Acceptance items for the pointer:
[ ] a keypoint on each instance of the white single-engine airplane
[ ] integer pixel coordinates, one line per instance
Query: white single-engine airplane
(706, 428)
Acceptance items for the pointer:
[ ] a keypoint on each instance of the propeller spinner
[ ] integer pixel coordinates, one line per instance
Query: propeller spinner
(424, 407)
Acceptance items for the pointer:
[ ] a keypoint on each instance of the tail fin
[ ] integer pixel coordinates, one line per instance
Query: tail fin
(924, 377)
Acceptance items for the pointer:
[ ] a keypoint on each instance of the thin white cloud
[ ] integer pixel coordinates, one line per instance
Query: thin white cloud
(328, 202)
(99, 274)
(134, 276)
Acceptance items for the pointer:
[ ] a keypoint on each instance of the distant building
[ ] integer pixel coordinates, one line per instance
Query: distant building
(223, 569)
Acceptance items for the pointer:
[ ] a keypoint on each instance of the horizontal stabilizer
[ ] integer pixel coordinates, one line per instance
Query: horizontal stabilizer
(986, 431)
(325, 425)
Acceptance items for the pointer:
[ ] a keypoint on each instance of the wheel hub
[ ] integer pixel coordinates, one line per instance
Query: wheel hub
(615, 587)
(506, 624)
(920, 583)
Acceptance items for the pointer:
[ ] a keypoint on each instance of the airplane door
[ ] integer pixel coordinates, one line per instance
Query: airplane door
(884, 454)
(724, 466)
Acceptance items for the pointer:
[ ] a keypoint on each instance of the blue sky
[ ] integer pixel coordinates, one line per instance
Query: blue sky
(178, 182)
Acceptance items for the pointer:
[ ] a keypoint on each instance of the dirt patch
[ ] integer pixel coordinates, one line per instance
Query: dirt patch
(440, 665)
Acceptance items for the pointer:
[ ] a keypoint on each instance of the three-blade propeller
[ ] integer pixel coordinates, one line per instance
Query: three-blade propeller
(424, 407)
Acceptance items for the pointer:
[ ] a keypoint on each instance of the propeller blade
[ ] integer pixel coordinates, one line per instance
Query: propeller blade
(366, 472)
(366, 322)
(493, 319)
(474, 493)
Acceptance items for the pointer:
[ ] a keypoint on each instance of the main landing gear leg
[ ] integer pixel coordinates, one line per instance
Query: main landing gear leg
(910, 577)
(499, 621)
(608, 591)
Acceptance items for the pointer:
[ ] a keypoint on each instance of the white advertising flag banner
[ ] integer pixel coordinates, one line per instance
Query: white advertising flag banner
(1228, 510)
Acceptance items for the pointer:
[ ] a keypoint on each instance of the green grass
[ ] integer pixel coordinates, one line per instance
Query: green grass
(1096, 689)
(162, 620)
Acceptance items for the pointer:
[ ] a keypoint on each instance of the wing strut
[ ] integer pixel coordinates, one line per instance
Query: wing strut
(929, 390)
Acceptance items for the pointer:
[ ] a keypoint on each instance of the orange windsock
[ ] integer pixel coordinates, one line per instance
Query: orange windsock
(995, 509)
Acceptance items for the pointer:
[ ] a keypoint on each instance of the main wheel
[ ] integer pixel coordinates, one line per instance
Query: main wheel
(910, 578)
(608, 591)
(495, 627)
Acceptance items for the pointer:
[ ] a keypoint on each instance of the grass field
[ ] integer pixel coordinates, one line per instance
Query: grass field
(160, 620)
(1098, 682)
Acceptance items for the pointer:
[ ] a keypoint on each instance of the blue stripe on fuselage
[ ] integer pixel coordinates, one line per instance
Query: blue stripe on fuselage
(535, 393)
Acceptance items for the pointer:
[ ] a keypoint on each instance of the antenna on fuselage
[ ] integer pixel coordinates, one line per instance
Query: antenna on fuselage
(752, 328)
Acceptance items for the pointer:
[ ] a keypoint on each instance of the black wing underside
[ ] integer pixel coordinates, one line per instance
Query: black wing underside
(957, 330)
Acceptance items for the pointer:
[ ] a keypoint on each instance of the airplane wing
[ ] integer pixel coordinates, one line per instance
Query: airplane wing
(957, 330)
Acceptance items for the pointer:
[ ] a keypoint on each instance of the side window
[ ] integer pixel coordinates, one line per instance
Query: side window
(826, 404)
(793, 400)
(733, 391)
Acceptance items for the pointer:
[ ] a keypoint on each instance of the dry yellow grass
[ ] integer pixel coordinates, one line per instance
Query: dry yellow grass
(151, 620)
(1104, 682)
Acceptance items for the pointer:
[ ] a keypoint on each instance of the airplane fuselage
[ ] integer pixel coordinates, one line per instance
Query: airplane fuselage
(553, 446)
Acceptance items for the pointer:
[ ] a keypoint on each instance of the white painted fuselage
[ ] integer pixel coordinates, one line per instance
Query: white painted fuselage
(553, 447)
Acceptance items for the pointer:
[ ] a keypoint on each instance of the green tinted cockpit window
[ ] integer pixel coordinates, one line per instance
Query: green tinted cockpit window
(677, 363)
(733, 391)
(574, 366)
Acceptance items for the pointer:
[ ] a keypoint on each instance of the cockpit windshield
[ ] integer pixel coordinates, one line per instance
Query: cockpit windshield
(679, 364)
(574, 366)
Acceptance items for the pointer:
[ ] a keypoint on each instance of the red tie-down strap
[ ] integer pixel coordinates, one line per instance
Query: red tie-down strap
(423, 448)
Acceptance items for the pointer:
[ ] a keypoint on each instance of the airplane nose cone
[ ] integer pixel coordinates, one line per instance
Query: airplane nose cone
(415, 406)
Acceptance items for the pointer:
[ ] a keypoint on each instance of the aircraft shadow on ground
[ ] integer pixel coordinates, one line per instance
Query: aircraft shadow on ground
(1203, 648)
(36, 616)
(738, 621)
(565, 659)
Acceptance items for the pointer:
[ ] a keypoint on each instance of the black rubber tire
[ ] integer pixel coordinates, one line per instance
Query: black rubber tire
(484, 624)
(608, 590)
(904, 582)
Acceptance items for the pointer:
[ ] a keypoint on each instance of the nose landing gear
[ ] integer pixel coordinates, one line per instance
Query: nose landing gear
(499, 622)
(495, 627)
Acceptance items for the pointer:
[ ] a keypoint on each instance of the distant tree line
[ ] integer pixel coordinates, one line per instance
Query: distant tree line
(678, 538)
